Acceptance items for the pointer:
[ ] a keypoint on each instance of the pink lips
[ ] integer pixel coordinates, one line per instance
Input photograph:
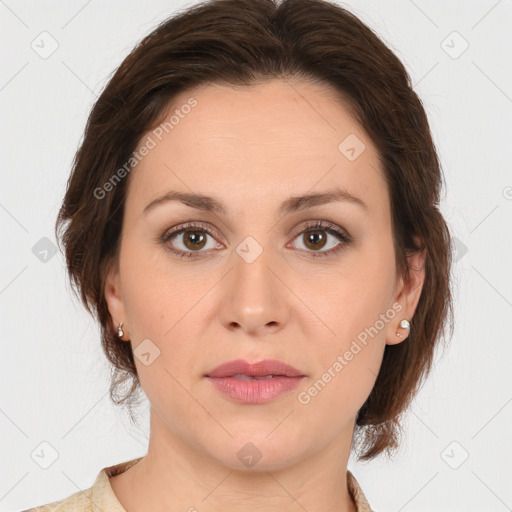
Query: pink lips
(254, 383)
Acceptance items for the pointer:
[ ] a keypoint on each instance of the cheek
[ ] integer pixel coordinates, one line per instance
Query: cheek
(159, 307)
(154, 299)
(351, 300)
(356, 313)
(346, 362)
(164, 306)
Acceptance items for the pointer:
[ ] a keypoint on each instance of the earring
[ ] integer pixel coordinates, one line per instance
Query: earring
(120, 331)
(404, 324)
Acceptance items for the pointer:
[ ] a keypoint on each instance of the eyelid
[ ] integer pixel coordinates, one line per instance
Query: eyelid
(208, 228)
(320, 224)
(311, 224)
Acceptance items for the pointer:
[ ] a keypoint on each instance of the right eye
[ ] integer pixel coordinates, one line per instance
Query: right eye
(190, 239)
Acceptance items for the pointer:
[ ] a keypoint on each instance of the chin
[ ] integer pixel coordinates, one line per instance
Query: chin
(253, 450)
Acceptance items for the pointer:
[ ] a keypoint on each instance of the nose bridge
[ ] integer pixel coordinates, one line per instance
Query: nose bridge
(255, 298)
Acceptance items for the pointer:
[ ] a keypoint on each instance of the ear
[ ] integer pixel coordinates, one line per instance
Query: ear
(114, 298)
(408, 295)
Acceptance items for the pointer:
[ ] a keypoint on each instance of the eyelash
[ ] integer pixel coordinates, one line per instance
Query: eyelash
(328, 227)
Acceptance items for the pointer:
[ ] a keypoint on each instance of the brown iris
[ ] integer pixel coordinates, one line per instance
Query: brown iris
(197, 239)
(314, 237)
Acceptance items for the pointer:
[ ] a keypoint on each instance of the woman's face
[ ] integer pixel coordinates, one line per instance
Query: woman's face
(258, 280)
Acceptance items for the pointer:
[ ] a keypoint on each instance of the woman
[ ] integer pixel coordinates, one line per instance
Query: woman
(253, 218)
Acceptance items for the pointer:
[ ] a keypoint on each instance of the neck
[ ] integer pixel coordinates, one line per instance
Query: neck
(178, 476)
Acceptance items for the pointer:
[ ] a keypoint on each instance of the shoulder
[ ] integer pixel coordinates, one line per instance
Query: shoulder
(357, 494)
(80, 501)
(99, 496)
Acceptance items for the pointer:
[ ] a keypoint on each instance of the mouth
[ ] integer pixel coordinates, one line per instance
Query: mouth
(258, 383)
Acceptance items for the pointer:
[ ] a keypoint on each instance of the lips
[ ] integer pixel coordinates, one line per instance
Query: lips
(243, 370)
(256, 383)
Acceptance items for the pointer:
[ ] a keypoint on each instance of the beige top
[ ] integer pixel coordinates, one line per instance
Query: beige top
(101, 496)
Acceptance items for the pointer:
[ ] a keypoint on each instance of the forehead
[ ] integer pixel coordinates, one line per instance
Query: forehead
(277, 138)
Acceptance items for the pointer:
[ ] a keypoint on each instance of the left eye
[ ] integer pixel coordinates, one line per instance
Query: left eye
(317, 240)
(315, 237)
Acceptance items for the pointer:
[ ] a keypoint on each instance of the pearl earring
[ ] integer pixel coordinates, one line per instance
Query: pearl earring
(120, 331)
(404, 324)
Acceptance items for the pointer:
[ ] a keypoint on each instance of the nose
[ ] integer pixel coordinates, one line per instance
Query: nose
(254, 298)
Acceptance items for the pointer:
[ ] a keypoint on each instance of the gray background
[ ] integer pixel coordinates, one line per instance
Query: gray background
(455, 454)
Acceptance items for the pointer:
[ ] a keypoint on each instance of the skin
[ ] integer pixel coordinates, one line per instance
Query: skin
(252, 148)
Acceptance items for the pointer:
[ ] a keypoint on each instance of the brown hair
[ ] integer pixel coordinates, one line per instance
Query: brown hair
(240, 42)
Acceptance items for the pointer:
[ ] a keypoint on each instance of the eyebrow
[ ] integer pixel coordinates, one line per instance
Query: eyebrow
(292, 204)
